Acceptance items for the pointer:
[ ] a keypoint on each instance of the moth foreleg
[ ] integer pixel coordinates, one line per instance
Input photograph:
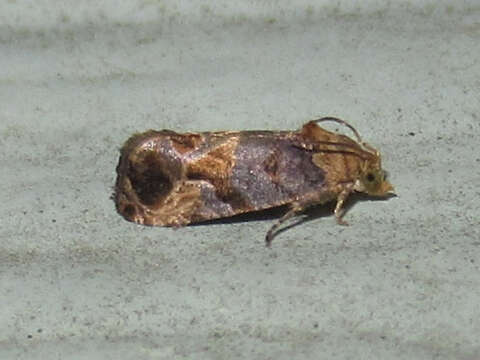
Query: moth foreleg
(295, 209)
(339, 210)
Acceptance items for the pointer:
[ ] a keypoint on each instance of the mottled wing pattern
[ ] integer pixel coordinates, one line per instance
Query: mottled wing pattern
(252, 171)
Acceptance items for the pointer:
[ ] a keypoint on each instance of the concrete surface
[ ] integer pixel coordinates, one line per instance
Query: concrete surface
(79, 282)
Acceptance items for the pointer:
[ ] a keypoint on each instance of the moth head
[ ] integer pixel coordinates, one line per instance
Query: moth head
(373, 179)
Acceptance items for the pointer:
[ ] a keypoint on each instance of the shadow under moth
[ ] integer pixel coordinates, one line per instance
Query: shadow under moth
(171, 179)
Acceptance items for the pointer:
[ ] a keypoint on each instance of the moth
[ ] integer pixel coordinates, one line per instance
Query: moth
(170, 179)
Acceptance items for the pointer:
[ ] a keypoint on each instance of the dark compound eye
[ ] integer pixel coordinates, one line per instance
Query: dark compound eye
(370, 177)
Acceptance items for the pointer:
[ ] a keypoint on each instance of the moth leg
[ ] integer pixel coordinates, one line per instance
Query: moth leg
(294, 210)
(339, 211)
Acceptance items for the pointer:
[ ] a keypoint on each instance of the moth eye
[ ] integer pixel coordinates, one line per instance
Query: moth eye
(370, 177)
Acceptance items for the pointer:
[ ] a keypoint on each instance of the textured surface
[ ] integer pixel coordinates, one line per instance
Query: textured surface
(79, 282)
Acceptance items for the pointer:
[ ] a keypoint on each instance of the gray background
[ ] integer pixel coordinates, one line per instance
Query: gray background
(79, 282)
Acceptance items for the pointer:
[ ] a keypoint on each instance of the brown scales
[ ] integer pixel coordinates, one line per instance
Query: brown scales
(170, 179)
